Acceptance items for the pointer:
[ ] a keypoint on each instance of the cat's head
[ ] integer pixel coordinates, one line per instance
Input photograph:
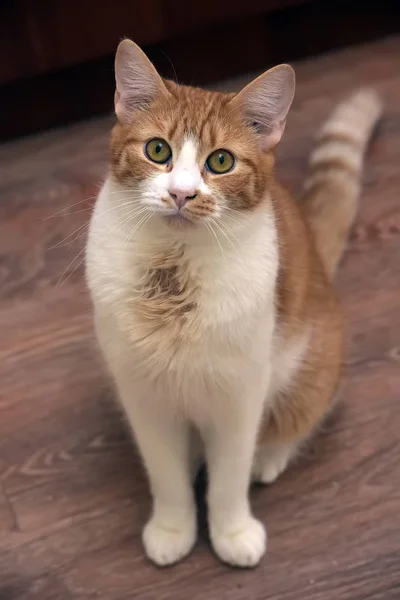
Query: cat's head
(191, 155)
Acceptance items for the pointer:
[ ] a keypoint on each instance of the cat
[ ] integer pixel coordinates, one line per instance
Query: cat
(212, 290)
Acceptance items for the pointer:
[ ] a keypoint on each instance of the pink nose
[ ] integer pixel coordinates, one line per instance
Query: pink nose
(182, 195)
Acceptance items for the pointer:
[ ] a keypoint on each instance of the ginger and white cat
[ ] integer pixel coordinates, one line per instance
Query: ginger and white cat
(212, 294)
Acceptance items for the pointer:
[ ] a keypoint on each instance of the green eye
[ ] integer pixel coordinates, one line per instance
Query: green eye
(158, 151)
(220, 161)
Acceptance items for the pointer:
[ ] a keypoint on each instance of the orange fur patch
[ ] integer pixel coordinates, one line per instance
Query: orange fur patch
(214, 124)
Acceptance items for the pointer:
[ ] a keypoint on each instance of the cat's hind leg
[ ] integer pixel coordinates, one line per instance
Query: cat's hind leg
(295, 415)
(272, 459)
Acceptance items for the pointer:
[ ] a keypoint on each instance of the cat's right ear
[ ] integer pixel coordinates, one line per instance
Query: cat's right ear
(265, 103)
(137, 81)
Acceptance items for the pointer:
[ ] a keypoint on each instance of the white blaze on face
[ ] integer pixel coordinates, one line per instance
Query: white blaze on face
(185, 176)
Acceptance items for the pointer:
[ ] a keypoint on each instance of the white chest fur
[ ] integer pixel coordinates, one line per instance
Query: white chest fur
(182, 309)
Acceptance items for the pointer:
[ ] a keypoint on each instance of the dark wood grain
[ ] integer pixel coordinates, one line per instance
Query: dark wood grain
(68, 70)
(73, 496)
(40, 37)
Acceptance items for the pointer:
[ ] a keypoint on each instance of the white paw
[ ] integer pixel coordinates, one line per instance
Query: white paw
(273, 468)
(242, 547)
(271, 461)
(166, 544)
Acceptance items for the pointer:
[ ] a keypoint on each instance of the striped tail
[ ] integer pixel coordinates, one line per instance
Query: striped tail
(333, 184)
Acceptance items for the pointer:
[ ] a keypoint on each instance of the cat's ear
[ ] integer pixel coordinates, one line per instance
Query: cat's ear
(265, 103)
(137, 81)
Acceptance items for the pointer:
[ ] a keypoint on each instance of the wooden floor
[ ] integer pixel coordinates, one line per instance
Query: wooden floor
(73, 495)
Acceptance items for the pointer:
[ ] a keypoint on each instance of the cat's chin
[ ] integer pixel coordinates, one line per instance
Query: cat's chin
(178, 221)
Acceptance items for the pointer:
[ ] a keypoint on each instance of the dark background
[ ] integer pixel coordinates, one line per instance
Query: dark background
(56, 57)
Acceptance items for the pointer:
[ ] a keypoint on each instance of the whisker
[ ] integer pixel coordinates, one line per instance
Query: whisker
(64, 240)
(120, 222)
(132, 233)
(61, 281)
(170, 62)
(231, 219)
(209, 226)
(229, 232)
(80, 229)
(67, 208)
(129, 201)
(135, 189)
(223, 232)
(233, 210)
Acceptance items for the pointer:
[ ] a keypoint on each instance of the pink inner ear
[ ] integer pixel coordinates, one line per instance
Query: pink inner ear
(271, 139)
(266, 101)
(138, 82)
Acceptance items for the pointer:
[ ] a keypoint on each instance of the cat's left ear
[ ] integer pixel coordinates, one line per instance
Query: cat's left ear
(265, 103)
(137, 82)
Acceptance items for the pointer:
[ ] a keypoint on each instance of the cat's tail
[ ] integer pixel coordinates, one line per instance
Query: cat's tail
(333, 184)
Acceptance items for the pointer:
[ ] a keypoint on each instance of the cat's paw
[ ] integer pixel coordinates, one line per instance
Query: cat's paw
(167, 544)
(241, 547)
(271, 461)
(272, 468)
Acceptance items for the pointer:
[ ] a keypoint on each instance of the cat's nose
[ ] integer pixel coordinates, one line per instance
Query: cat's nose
(182, 195)
(183, 184)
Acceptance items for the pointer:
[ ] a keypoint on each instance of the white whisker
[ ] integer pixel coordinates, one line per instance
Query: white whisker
(232, 219)
(67, 208)
(209, 227)
(64, 240)
(224, 233)
(61, 281)
(142, 221)
(81, 228)
(229, 232)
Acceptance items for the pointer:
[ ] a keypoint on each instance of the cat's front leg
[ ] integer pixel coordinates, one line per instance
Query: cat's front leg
(163, 440)
(237, 537)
